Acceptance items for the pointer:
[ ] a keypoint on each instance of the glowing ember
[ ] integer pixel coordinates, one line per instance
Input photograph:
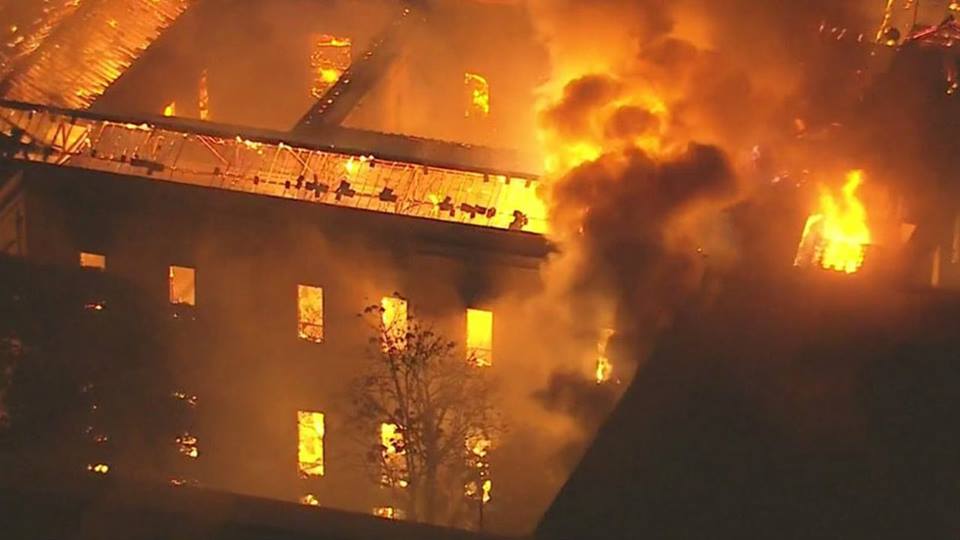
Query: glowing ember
(98, 468)
(170, 110)
(837, 236)
(187, 444)
(310, 500)
(478, 448)
(388, 512)
(479, 94)
(203, 100)
(604, 366)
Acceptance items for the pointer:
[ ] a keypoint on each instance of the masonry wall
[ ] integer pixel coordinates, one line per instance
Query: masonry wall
(238, 349)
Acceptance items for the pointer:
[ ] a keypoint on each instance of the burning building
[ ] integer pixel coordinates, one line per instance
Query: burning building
(259, 172)
(259, 232)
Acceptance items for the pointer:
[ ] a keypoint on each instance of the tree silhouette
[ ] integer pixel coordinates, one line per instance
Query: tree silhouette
(431, 406)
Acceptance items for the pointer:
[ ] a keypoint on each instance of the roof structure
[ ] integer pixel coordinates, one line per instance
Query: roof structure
(86, 84)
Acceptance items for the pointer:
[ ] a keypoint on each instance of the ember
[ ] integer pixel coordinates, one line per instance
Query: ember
(393, 454)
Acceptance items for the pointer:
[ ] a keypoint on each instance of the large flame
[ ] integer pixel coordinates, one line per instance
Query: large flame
(837, 236)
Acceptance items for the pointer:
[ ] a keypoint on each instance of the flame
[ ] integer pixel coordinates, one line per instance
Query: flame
(310, 313)
(310, 500)
(171, 109)
(310, 431)
(479, 92)
(203, 97)
(350, 165)
(329, 75)
(480, 337)
(73, 52)
(487, 491)
(885, 23)
(478, 444)
(388, 512)
(837, 236)
(330, 59)
(395, 323)
(604, 366)
(564, 152)
(391, 439)
(394, 455)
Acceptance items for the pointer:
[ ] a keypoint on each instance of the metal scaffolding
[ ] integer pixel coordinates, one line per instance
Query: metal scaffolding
(272, 168)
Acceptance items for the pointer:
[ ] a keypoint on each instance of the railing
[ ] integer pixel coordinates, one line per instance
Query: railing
(272, 168)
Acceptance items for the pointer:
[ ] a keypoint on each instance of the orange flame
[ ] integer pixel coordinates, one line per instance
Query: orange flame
(604, 366)
(331, 57)
(479, 92)
(394, 455)
(170, 110)
(837, 236)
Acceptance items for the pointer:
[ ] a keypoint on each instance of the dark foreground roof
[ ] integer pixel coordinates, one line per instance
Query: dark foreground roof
(795, 408)
(108, 509)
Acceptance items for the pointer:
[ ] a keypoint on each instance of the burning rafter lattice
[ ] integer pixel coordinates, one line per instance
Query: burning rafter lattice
(274, 169)
(94, 45)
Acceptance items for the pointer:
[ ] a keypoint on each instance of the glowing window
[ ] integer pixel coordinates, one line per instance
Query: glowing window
(310, 443)
(480, 337)
(183, 286)
(394, 319)
(393, 456)
(93, 260)
(310, 313)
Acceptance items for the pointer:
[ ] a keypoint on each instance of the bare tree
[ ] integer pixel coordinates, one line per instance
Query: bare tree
(429, 402)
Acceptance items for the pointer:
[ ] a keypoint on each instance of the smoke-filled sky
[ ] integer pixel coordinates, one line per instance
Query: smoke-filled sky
(660, 116)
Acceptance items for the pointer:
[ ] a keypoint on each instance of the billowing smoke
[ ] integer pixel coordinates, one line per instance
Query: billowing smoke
(658, 119)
